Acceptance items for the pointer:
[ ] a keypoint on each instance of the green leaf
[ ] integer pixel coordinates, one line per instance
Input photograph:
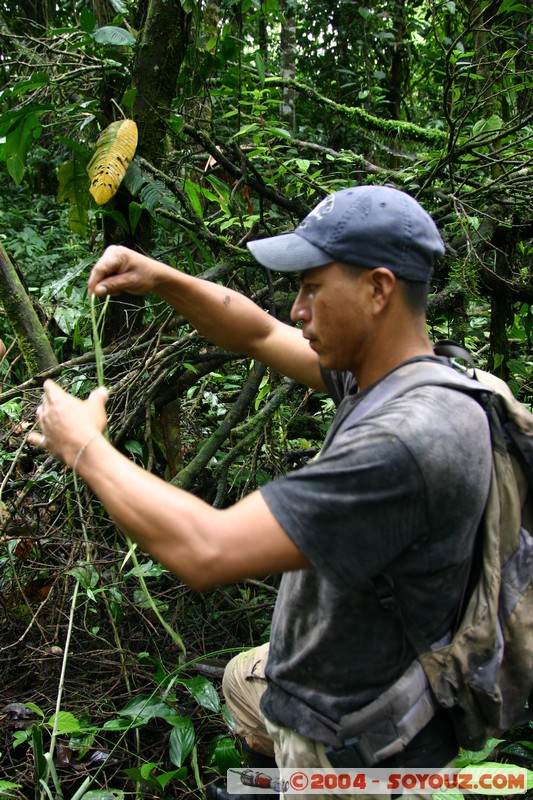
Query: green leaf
(521, 749)
(75, 146)
(19, 737)
(511, 5)
(87, 20)
(116, 724)
(228, 719)
(18, 142)
(492, 123)
(518, 366)
(73, 187)
(66, 722)
(41, 768)
(135, 211)
(128, 98)
(103, 794)
(35, 708)
(467, 757)
(134, 447)
(110, 34)
(143, 775)
(145, 708)
(203, 692)
(194, 196)
(134, 177)
(119, 7)
(260, 66)
(181, 740)
(119, 218)
(6, 785)
(225, 755)
(35, 81)
(303, 164)
(176, 122)
(173, 775)
(253, 126)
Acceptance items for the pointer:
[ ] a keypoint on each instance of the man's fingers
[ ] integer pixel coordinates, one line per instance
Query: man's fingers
(37, 439)
(100, 290)
(101, 281)
(50, 389)
(99, 396)
(114, 284)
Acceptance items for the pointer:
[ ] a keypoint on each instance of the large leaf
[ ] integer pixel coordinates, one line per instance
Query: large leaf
(181, 740)
(72, 186)
(18, 142)
(146, 707)
(110, 34)
(115, 149)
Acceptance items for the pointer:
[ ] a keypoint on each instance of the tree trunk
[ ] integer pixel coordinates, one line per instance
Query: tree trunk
(399, 64)
(288, 59)
(160, 52)
(31, 336)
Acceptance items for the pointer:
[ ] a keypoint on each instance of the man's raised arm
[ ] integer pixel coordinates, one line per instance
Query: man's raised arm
(223, 316)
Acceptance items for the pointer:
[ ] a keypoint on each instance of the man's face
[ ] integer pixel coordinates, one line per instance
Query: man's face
(333, 309)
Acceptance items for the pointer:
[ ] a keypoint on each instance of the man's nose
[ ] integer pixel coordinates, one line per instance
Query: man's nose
(299, 311)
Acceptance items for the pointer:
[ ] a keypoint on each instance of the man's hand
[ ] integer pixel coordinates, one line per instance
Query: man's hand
(123, 270)
(67, 423)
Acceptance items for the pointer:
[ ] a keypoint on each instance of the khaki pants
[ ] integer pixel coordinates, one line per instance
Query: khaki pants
(243, 684)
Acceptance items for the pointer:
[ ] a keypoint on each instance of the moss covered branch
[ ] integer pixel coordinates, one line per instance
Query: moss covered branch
(30, 334)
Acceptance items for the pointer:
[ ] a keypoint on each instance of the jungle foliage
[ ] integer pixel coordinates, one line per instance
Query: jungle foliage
(248, 112)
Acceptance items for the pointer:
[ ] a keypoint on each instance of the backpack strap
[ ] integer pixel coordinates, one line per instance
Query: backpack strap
(412, 375)
(450, 349)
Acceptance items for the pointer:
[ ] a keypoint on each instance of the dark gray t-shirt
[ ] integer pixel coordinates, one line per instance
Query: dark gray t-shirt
(402, 492)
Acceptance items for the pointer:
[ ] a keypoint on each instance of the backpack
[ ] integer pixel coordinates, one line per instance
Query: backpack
(482, 671)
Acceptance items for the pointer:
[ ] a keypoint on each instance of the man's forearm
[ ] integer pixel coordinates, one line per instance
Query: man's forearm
(223, 316)
(163, 520)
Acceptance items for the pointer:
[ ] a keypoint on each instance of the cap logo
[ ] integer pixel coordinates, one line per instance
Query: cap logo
(324, 208)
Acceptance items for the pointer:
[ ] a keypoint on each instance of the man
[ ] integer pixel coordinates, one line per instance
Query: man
(400, 493)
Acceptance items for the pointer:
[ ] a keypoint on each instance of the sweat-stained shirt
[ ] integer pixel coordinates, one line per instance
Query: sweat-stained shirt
(401, 492)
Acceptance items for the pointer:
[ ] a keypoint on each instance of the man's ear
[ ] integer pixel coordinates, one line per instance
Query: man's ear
(383, 284)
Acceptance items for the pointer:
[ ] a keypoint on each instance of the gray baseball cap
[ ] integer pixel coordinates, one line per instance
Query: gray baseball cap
(368, 226)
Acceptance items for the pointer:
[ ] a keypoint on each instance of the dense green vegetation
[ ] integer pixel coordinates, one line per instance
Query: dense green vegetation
(248, 113)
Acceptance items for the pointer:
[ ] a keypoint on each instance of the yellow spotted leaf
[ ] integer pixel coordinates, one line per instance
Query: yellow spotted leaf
(115, 149)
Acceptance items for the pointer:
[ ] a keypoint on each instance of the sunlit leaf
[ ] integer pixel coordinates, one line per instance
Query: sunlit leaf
(110, 34)
(64, 722)
(119, 7)
(6, 785)
(115, 149)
